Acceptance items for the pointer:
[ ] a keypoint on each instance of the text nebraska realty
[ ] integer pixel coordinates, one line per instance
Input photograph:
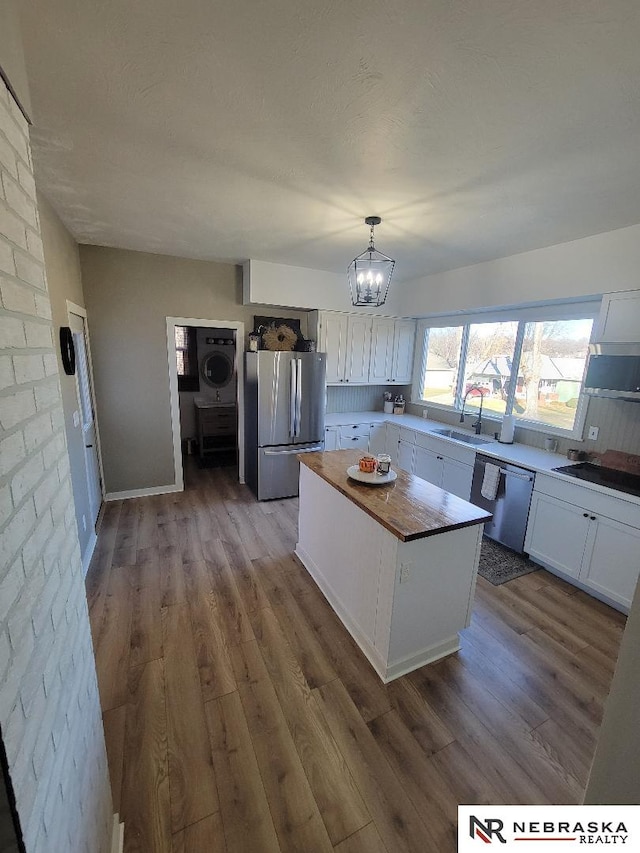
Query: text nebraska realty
(589, 832)
(592, 832)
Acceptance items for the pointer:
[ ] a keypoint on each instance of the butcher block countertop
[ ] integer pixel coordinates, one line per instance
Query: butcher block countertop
(410, 508)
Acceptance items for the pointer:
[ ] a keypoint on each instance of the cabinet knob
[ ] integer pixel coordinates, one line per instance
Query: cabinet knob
(586, 514)
(592, 517)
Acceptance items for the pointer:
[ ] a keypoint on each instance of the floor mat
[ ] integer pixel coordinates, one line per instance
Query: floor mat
(499, 564)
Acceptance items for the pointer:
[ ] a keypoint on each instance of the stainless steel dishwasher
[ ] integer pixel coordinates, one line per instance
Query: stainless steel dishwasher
(510, 507)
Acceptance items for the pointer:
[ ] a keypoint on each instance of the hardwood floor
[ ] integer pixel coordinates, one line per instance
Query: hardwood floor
(240, 715)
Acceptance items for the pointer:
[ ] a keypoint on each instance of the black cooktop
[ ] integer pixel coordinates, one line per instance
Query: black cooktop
(621, 481)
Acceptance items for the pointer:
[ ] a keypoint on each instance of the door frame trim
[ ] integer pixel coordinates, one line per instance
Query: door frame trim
(174, 396)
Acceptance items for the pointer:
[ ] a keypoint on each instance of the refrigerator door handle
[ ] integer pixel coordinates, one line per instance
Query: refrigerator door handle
(298, 396)
(292, 452)
(292, 398)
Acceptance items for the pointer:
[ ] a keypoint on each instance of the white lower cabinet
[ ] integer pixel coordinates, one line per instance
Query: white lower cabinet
(331, 438)
(353, 436)
(448, 474)
(377, 439)
(557, 533)
(391, 439)
(569, 532)
(405, 455)
(457, 478)
(611, 565)
(428, 465)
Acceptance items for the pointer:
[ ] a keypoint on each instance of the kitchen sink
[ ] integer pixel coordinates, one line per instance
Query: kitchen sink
(461, 436)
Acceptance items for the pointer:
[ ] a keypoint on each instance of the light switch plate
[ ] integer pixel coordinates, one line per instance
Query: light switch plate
(593, 432)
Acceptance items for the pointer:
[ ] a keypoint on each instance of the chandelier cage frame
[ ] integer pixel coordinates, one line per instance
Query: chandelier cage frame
(370, 273)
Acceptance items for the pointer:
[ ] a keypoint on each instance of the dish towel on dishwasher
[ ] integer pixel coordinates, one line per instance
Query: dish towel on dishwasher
(490, 481)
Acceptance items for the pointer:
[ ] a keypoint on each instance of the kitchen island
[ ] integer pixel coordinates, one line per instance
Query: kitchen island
(397, 562)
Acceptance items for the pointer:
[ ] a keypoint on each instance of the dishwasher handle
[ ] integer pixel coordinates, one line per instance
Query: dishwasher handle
(528, 477)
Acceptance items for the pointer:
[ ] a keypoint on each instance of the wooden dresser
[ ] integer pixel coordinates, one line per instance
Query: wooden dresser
(217, 427)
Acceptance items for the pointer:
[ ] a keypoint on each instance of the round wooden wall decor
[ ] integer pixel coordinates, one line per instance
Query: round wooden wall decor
(67, 350)
(282, 338)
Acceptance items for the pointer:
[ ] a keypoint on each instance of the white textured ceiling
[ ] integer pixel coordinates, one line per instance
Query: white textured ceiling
(230, 129)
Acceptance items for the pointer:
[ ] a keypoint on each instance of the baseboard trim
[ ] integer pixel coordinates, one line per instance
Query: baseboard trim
(142, 493)
(117, 835)
(88, 554)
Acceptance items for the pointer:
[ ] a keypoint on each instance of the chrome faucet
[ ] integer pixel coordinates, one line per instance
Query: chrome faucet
(478, 424)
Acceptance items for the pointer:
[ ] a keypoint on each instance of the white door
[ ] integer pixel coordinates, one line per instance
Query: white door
(87, 416)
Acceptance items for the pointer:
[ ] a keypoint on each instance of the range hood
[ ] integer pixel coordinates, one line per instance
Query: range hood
(614, 371)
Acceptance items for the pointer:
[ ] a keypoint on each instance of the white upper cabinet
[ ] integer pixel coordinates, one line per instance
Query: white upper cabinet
(392, 344)
(382, 334)
(333, 341)
(403, 345)
(619, 320)
(358, 348)
(346, 339)
(366, 350)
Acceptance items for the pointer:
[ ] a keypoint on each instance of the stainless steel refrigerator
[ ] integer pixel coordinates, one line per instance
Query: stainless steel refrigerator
(284, 406)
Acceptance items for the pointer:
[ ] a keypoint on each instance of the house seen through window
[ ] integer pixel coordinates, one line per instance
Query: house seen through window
(532, 369)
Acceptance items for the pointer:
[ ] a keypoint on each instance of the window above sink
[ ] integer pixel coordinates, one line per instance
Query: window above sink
(528, 362)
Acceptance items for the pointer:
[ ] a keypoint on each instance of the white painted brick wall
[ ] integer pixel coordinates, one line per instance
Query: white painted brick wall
(49, 705)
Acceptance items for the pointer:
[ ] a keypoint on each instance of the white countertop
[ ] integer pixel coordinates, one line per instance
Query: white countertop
(532, 458)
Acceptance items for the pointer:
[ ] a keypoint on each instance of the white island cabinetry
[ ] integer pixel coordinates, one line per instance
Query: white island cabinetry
(399, 566)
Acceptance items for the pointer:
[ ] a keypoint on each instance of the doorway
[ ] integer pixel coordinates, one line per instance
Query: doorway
(84, 418)
(206, 373)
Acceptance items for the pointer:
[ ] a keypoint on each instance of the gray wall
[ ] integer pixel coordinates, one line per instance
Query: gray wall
(615, 773)
(12, 54)
(49, 707)
(62, 262)
(128, 296)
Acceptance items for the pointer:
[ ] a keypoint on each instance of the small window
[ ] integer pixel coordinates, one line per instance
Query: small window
(187, 359)
(488, 365)
(552, 365)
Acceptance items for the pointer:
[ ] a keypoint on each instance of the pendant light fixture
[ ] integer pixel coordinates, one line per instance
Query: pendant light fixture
(370, 273)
